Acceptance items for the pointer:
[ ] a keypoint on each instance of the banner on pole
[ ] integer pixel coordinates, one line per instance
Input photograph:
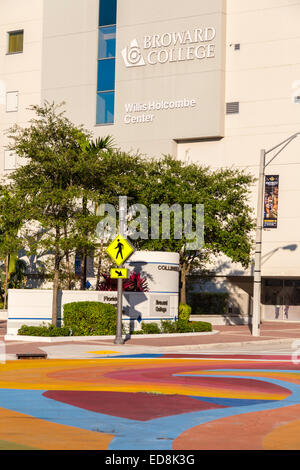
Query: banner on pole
(271, 201)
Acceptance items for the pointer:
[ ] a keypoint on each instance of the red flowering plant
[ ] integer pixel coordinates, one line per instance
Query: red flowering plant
(135, 283)
(108, 283)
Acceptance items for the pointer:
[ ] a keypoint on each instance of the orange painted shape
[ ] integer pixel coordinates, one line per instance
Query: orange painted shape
(103, 352)
(249, 431)
(22, 429)
(286, 437)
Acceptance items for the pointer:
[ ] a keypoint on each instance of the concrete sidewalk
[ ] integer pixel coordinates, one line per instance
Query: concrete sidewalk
(276, 337)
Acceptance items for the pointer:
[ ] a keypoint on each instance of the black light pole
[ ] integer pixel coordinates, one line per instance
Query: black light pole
(122, 231)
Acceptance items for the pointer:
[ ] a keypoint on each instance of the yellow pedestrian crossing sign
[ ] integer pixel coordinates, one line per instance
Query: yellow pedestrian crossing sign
(118, 273)
(119, 250)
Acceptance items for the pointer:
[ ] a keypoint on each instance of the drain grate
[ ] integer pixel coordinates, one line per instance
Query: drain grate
(31, 356)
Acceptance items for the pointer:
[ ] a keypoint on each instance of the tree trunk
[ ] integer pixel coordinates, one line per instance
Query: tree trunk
(183, 285)
(57, 261)
(99, 266)
(68, 263)
(68, 271)
(6, 264)
(83, 272)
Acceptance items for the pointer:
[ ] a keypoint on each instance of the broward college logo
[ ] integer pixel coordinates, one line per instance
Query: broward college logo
(132, 55)
(177, 46)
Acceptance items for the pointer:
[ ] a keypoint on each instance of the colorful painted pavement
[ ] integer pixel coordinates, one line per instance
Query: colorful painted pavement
(151, 402)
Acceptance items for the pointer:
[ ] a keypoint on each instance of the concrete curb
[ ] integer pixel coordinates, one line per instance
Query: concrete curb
(222, 346)
(67, 339)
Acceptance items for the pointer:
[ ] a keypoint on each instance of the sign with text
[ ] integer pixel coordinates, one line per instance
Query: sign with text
(160, 306)
(271, 201)
(165, 53)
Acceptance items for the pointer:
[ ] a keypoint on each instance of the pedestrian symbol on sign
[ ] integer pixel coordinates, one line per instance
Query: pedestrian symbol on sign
(119, 247)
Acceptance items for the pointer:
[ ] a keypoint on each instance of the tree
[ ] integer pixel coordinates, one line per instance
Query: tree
(228, 217)
(49, 183)
(11, 218)
(64, 176)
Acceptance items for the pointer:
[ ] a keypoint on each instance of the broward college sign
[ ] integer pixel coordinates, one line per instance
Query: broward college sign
(177, 46)
(170, 76)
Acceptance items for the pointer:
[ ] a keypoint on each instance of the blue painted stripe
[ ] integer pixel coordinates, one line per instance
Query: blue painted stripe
(232, 401)
(151, 318)
(160, 292)
(136, 356)
(31, 318)
(151, 262)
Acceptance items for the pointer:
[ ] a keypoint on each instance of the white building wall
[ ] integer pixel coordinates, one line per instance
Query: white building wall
(70, 48)
(262, 77)
(20, 72)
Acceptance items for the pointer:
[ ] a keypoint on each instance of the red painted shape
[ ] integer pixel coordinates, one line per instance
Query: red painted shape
(168, 375)
(137, 406)
(243, 357)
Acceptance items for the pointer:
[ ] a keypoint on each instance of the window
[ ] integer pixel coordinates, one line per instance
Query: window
(106, 75)
(106, 62)
(107, 12)
(107, 42)
(15, 41)
(105, 107)
(12, 101)
(10, 160)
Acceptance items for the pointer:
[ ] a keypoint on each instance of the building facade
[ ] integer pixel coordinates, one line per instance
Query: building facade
(212, 82)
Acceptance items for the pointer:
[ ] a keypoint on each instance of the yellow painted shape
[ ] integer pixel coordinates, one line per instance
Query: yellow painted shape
(286, 376)
(22, 429)
(103, 352)
(5, 445)
(284, 437)
(91, 375)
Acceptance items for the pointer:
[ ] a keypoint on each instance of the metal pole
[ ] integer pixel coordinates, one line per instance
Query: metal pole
(256, 315)
(122, 230)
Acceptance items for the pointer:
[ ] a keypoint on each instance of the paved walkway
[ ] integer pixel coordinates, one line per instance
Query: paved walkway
(277, 336)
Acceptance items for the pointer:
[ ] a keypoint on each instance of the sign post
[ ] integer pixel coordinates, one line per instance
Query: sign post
(119, 250)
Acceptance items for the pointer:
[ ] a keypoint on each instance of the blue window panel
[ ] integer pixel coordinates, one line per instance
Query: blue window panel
(107, 42)
(105, 107)
(106, 75)
(107, 12)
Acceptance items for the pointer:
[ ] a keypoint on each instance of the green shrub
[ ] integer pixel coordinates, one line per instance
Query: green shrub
(193, 327)
(150, 328)
(168, 326)
(200, 326)
(90, 318)
(184, 312)
(43, 330)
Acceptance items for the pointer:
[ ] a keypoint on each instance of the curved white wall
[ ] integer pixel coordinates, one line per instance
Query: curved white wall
(160, 268)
